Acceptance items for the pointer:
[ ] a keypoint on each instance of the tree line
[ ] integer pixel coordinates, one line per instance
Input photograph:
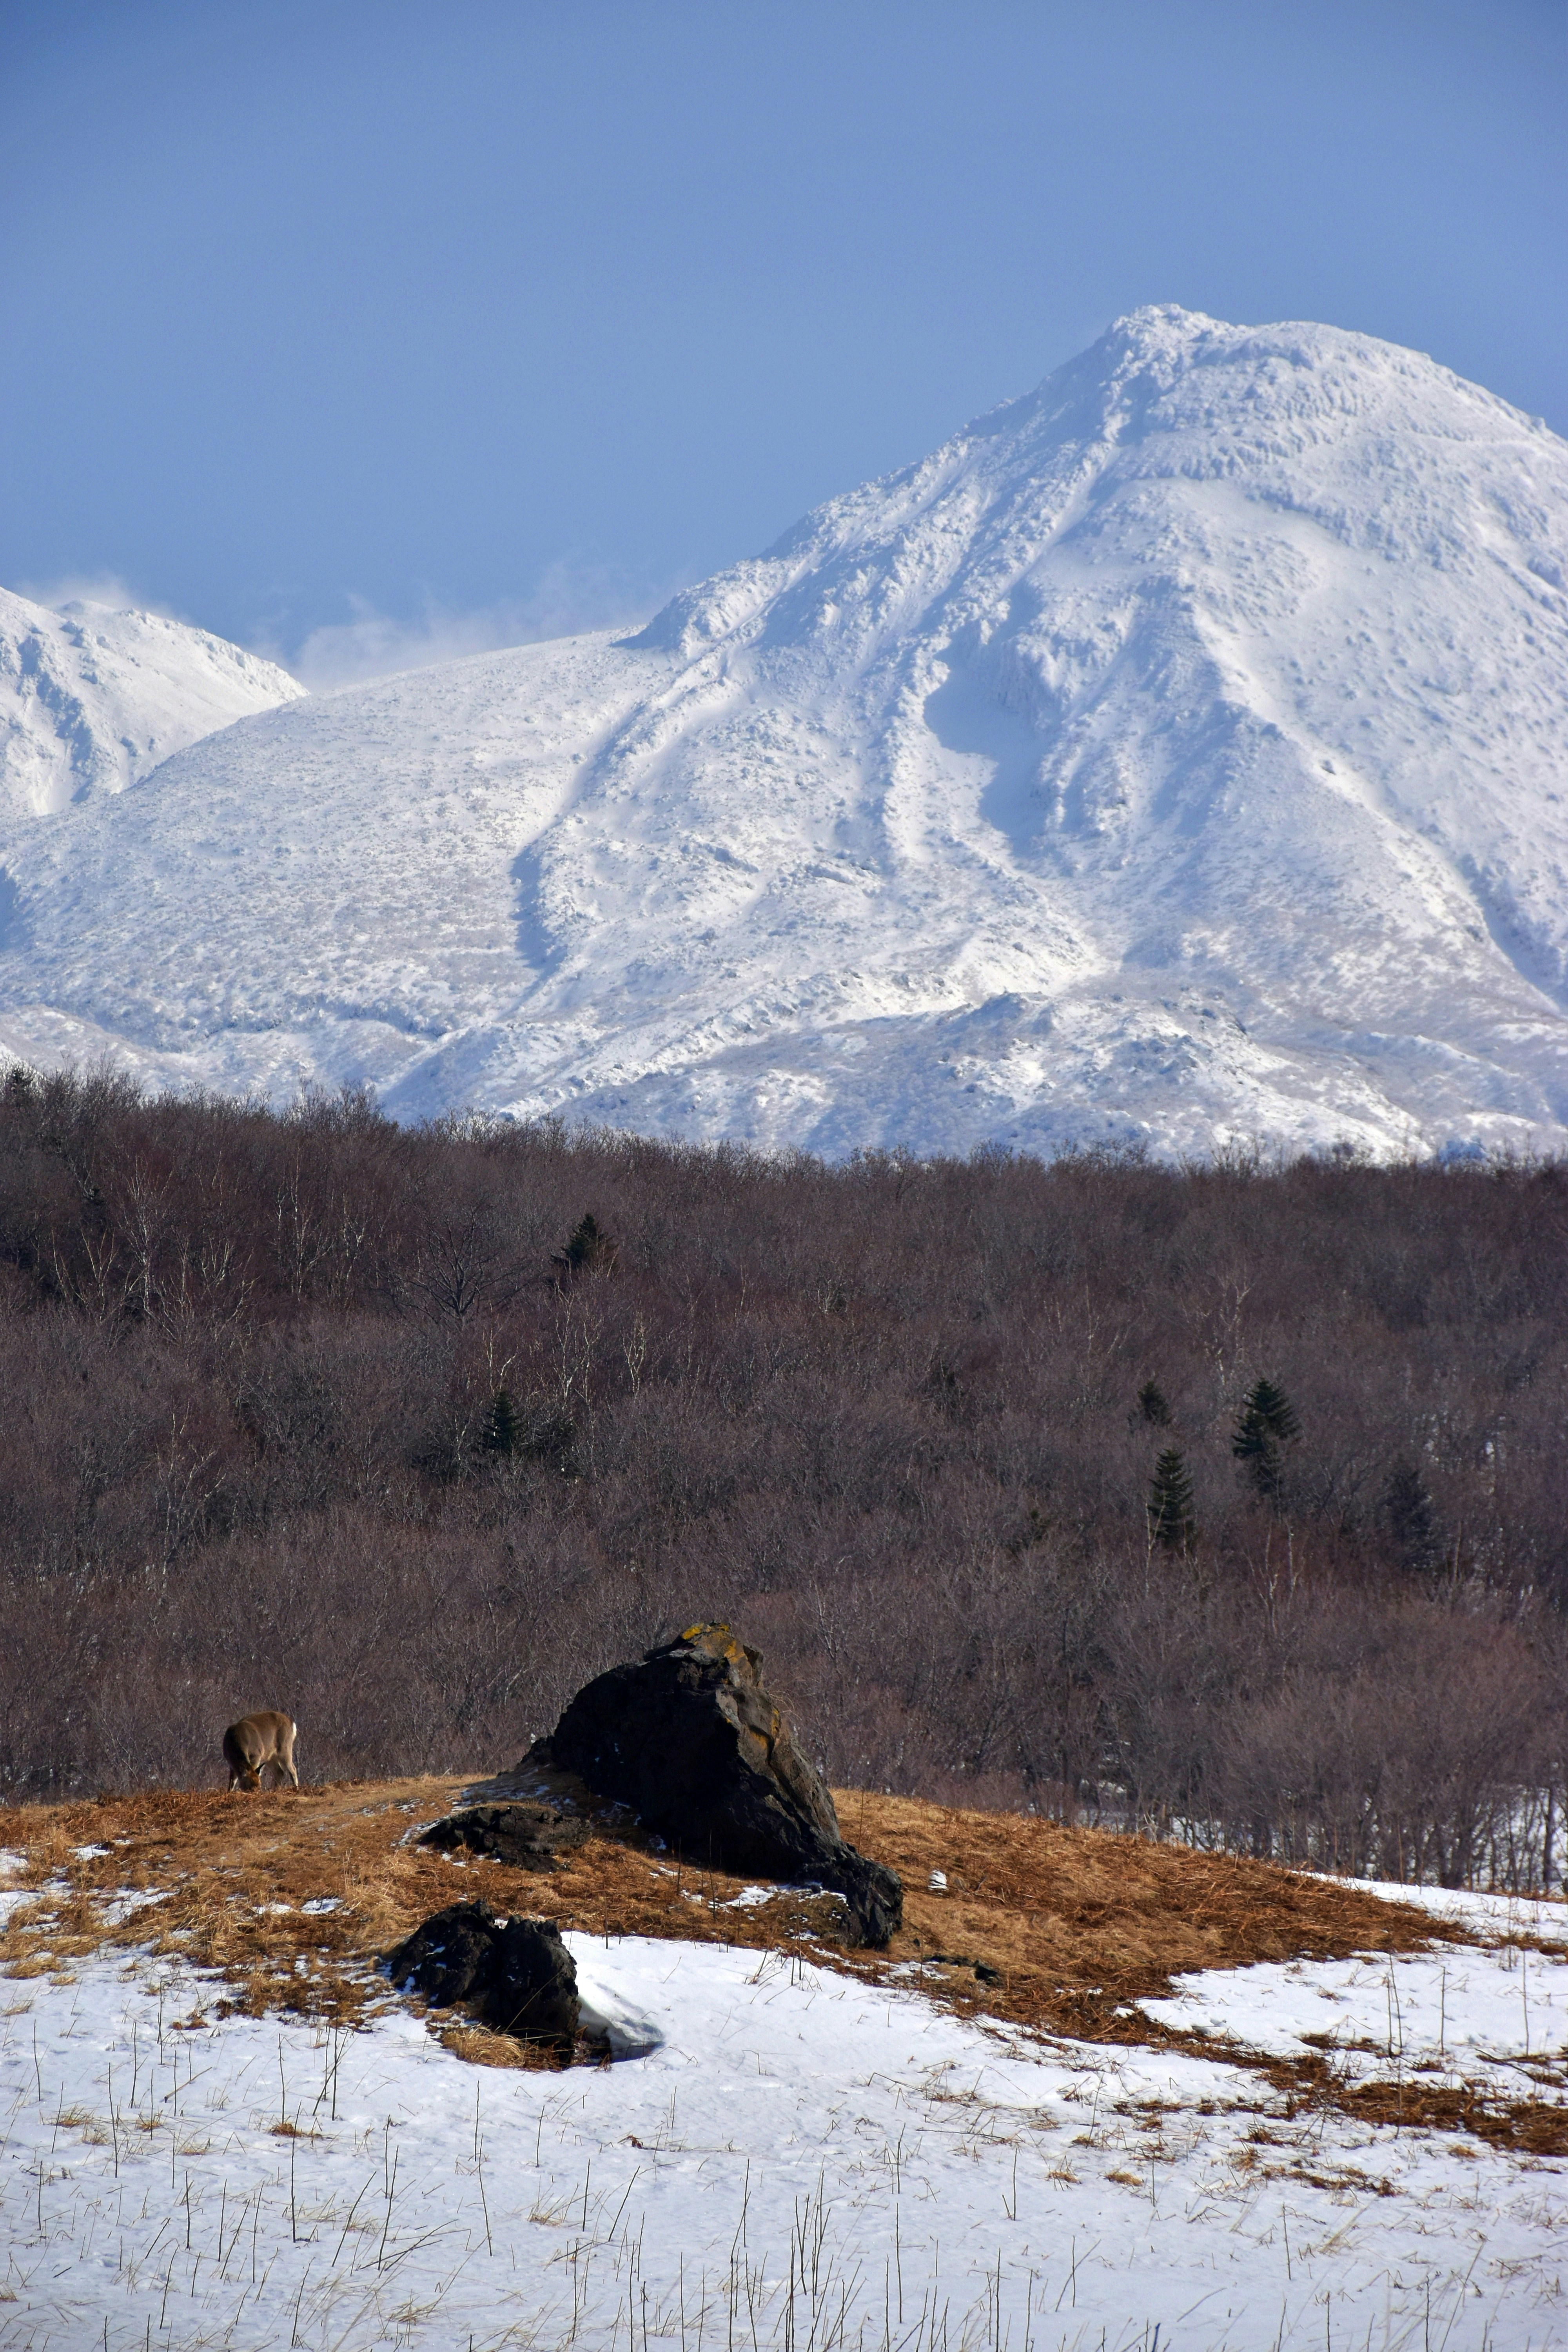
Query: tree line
(1221, 1501)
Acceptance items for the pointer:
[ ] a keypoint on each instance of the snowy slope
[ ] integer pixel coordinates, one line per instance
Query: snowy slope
(1178, 752)
(802, 2160)
(93, 699)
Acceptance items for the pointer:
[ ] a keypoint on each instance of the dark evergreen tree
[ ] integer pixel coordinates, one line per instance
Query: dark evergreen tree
(1152, 1405)
(503, 1425)
(1267, 1423)
(590, 1249)
(1169, 1505)
(1411, 1521)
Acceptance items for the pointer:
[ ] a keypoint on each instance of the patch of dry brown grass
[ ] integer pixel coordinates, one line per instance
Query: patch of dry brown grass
(1524, 2127)
(1073, 1926)
(481, 2047)
(1079, 1925)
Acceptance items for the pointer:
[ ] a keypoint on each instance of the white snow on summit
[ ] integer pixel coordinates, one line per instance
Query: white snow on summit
(92, 699)
(1176, 753)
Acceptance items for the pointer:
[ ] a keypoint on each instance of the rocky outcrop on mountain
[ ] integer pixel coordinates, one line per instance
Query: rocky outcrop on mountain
(693, 1742)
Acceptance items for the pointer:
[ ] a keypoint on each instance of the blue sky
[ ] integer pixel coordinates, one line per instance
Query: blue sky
(369, 332)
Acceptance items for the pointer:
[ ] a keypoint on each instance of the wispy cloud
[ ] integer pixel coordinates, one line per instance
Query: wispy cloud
(568, 599)
(105, 588)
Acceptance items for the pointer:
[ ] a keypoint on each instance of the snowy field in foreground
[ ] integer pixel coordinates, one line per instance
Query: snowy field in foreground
(803, 2161)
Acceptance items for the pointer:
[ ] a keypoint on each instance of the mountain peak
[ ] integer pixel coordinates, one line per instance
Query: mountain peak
(1173, 755)
(1295, 418)
(93, 696)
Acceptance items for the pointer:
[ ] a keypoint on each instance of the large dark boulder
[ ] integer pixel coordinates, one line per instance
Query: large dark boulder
(527, 1836)
(693, 1743)
(515, 1974)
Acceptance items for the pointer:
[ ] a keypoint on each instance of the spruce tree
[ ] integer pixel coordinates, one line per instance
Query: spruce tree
(1267, 1423)
(1169, 1505)
(1411, 1521)
(503, 1428)
(1152, 1405)
(590, 1249)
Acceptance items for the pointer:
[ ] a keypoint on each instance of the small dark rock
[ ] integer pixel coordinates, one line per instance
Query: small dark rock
(451, 1957)
(514, 1974)
(535, 1992)
(529, 1836)
(983, 1969)
(694, 1744)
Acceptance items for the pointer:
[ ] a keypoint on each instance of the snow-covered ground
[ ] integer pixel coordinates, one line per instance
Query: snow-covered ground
(803, 2160)
(1495, 2017)
(1176, 753)
(1543, 1919)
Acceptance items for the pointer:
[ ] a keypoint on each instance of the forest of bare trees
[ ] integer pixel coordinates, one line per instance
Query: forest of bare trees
(411, 1431)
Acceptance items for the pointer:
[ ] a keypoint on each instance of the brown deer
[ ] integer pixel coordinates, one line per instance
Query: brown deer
(256, 1741)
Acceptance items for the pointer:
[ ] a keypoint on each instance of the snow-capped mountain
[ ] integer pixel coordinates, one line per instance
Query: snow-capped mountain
(92, 698)
(1177, 753)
